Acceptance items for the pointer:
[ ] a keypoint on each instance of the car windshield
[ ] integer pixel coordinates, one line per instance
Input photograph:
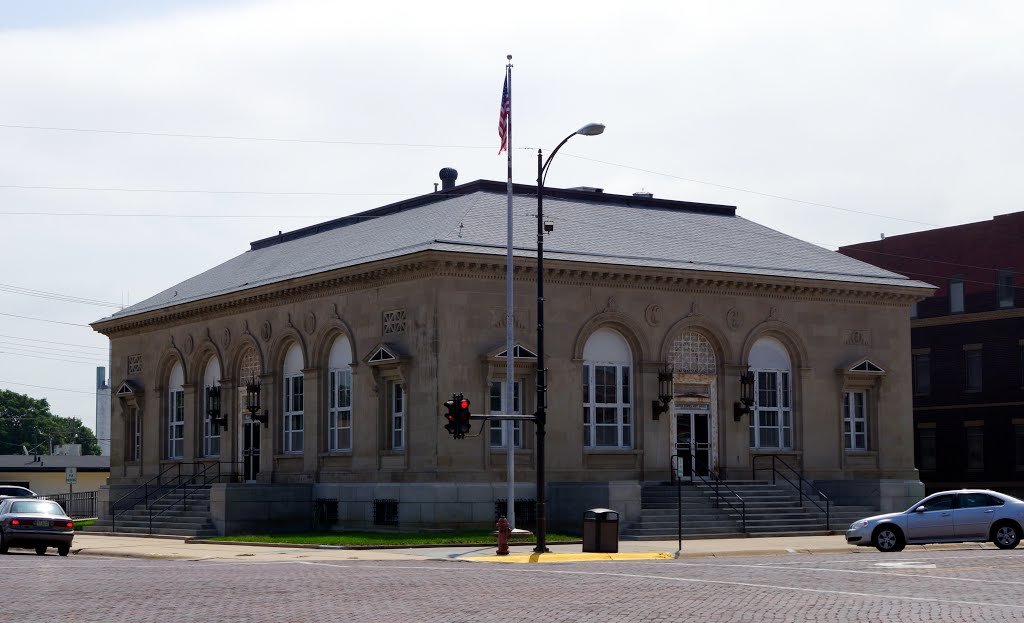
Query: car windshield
(41, 507)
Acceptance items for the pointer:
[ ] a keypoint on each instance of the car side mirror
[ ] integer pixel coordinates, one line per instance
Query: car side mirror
(920, 509)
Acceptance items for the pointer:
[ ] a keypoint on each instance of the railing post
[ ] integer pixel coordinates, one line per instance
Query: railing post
(679, 504)
(773, 469)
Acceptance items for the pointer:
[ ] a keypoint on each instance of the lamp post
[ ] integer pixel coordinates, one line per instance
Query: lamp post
(591, 129)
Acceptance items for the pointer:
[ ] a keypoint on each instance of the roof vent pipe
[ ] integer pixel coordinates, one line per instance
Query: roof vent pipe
(644, 195)
(448, 176)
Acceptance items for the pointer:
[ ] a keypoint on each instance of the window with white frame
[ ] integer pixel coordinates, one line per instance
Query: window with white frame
(396, 411)
(176, 413)
(855, 420)
(1004, 287)
(607, 391)
(292, 417)
(211, 429)
(134, 435)
(497, 406)
(339, 402)
(771, 420)
(956, 295)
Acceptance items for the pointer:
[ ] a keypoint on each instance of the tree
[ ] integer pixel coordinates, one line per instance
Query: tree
(27, 421)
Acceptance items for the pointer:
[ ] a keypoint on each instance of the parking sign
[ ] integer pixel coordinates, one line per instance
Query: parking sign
(71, 475)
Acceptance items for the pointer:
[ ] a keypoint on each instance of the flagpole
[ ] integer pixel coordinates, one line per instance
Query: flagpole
(508, 400)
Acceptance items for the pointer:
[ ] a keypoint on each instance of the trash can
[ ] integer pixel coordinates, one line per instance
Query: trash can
(601, 531)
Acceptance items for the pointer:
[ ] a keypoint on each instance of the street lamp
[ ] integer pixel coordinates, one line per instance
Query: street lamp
(591, 129)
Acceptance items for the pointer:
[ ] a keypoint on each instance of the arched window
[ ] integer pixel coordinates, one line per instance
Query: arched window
(771, 424)
(339, 401)
(692, 353)
(607, 391)
(176, 413)
(293, 409)
(211, 429)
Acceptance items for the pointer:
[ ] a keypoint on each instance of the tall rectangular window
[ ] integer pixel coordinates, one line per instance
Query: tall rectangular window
(498, 428)
(339, 411)
(926, 449)
(975, 437)
(1004, 288)
(293, 412)
(771, 423)
(855, 420)
(211, 429)
(972, 367)
(956, 295)
(396, 397)
(1018, 445)
(134, 435)
(607, 406)
(176, 424)
(922, 369)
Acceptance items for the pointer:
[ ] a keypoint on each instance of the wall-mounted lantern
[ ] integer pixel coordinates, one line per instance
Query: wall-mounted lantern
(660, 405)
(743, 406)
(252, 402)
(213, 407)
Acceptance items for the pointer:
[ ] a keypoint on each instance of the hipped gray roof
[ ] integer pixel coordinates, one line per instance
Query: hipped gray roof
(589, 227)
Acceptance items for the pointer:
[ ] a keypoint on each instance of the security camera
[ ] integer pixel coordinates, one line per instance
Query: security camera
(549, 226)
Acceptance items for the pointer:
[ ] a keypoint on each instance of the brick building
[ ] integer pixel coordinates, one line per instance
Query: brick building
(967, 349)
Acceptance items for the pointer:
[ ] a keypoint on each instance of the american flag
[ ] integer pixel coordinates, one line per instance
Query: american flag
(506, 111)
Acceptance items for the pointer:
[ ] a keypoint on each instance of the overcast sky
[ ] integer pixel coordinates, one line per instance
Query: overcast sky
(830, 121)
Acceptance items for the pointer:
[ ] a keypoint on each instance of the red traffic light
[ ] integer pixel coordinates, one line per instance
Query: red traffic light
(464, 404)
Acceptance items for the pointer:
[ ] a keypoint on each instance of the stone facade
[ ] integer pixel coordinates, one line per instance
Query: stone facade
(435, 321)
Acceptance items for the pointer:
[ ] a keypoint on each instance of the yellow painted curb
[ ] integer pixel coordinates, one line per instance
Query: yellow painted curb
(569, 557)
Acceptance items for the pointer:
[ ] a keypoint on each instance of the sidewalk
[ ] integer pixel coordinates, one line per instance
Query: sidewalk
(177, 549)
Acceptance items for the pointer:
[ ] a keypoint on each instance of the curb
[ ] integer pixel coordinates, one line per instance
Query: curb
(368, 547)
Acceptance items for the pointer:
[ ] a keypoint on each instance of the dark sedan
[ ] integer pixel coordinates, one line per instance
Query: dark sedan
(34, 524)
(15, 492)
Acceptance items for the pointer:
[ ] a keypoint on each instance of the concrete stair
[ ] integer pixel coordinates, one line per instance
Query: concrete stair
(771, 510)
(170, 517)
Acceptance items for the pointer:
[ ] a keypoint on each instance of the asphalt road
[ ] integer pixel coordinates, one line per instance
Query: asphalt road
(968, 585)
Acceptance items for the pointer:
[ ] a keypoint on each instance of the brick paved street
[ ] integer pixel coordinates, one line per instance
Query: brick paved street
(978, 585)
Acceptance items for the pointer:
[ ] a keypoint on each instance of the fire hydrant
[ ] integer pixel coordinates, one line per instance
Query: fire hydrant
(503, 531)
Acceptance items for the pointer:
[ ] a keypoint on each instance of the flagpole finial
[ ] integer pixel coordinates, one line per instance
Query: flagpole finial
(509, 57)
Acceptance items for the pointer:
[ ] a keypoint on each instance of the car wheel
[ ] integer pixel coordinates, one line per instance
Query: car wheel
(889, 539)
(1006, 535)
(41, 550)
(63, 550)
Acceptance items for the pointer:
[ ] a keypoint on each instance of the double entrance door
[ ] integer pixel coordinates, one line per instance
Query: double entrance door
(692, 424)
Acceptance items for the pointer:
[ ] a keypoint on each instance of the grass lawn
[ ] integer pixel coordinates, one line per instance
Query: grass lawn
(81, 523)
(385, 539)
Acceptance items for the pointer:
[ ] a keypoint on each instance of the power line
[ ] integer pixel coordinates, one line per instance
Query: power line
(107, 189)
(54, 296)
(59, 389)
(29, 339)
(267, 139)
(73, 324)
(20, 352)
(49, 350)
(753, 192)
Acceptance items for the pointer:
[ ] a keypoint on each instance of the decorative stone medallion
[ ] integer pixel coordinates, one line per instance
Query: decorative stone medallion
(734, 318)
(190, 343)
(266, 331)
(225, 337)
(310, 324)
(653, 314)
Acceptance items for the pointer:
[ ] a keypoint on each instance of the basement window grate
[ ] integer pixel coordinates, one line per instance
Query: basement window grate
(385, 512)
(526, 512)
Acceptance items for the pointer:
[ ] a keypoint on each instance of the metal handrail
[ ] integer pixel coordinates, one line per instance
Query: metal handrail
(155, 487)
(799, 487)
(718, 482)
(184, 486)
(144, 487)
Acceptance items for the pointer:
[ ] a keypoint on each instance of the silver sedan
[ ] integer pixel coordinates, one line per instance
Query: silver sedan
(945, 517)
(35, 523)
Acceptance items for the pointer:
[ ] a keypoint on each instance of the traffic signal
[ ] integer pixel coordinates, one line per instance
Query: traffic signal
(462, 424)
(450, 426)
